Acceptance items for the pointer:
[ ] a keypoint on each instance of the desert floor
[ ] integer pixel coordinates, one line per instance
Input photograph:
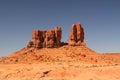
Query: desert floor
(59, 71)
(64, 63)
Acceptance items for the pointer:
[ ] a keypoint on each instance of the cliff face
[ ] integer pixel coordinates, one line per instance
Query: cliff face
(76, 37)
(45, 38)
(52, 38)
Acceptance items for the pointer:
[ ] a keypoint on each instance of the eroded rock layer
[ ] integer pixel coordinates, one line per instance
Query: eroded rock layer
(76, 37)
(45, 38)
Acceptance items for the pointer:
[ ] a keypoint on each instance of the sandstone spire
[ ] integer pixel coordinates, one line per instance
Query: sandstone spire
(76, 35)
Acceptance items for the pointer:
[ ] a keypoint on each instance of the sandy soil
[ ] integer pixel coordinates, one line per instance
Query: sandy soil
(64, 63)
(59, 71)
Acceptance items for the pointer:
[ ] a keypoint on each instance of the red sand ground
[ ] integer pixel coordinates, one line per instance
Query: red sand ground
(64, 63)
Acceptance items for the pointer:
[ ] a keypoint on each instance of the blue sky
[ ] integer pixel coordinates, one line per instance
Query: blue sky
(99, 18)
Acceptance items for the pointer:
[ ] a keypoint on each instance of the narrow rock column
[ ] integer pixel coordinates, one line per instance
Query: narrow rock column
(76, 35)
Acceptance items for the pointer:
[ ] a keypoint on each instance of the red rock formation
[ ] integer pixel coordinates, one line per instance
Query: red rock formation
(80, 32)
(44, 34)
(29, 44)
(45, 38)
(76, 35)
(37, 38)
(58, 33)
(50, 38)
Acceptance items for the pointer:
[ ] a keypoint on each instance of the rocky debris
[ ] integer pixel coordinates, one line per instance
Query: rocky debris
(45, 38)
(29, 44)
(76, 37)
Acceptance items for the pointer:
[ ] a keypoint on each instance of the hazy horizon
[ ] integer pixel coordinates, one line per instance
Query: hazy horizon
(99, 18)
